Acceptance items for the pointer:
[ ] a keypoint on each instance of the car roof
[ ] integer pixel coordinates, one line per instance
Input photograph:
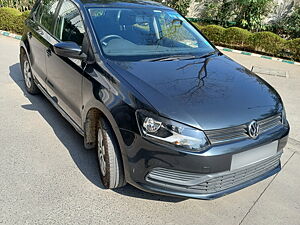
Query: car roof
(123, 3)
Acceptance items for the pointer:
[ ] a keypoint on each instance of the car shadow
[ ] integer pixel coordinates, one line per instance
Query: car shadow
(85, 160)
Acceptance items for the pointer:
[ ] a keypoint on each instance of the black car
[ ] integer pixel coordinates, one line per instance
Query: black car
(166, 111)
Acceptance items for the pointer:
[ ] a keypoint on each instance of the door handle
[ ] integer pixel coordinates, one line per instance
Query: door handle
(48, 52)
(30, 35)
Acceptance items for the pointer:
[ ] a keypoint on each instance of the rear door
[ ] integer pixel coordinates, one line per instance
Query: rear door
(64, 74)
(40, 27)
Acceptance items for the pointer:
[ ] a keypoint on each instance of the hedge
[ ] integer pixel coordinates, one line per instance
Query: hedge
(12, 20)
(200, 27)
(214, 32)
(293, 46)
(267, 42)
(237, 36)
(261, 42)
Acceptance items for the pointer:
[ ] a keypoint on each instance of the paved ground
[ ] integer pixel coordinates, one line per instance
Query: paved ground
(46, 176)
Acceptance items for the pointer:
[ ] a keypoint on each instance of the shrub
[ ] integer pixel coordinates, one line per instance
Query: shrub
(12, 20)
(20, 22)
(26, 14)
(214, 32)
(8, 18)
(267, 42)
(198, 26)
(237, 36)
(293, 46)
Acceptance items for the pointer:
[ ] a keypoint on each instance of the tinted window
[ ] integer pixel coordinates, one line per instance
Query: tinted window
(69, 25)
(45, 14)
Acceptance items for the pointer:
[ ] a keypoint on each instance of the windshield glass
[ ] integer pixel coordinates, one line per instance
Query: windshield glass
(133, 34)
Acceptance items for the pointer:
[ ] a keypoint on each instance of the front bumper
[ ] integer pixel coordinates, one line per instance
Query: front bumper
(211, 196)
(212, 185)
(206, 175)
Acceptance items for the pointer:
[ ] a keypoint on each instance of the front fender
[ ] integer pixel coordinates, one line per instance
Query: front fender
(91, 102)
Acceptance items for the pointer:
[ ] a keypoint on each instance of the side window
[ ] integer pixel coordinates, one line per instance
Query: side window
(69, 25)
(45, 14)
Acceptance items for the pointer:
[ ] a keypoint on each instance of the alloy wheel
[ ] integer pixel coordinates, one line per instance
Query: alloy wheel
(27, 74)
(101, 153)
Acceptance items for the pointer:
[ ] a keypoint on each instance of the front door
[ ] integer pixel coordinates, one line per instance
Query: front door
(64, 75)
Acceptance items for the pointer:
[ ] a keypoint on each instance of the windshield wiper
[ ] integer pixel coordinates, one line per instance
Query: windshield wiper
(171, 58)
(178, 57)
(207, 55)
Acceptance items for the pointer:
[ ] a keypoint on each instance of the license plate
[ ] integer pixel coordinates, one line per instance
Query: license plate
(253, 155)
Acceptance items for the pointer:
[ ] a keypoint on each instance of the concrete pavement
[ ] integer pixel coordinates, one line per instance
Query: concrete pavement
(46, 176)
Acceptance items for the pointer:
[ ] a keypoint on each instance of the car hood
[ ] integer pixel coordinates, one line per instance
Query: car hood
(210, 93)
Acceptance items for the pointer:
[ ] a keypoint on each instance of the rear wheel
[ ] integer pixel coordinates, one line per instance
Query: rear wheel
(30, 85)
(110, 163)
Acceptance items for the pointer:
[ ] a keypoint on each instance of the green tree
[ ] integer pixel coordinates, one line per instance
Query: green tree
(292, 24)
(226, 11)
(179, 5)
(250, 13)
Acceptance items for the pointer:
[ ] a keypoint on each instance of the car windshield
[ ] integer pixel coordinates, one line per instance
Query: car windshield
(133, 34)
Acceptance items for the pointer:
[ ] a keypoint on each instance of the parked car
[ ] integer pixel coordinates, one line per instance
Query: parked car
(166, 111)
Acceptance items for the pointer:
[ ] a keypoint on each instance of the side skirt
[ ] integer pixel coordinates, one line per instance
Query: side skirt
(62, 112)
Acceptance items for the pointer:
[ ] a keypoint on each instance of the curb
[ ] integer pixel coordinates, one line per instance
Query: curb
(18, 37)
(8, 34)
(257, 55)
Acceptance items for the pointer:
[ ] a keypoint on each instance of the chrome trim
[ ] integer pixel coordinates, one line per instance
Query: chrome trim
(240, 132)
(253, 129)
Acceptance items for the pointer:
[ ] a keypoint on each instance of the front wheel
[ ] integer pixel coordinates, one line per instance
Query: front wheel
(30, 85)
(110, 163)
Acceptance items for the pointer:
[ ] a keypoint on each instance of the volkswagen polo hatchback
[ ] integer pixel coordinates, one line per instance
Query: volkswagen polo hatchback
(165, 110)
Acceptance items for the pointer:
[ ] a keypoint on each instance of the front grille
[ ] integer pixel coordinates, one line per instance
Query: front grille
(212, 183)
(270, 123)
(241, 132)
(238, 177)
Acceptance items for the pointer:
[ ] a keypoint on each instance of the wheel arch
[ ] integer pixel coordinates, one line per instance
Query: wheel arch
(22, 52)
(24, 46)
(91, 116)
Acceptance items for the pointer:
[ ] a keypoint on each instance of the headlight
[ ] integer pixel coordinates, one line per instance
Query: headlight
(170, 132)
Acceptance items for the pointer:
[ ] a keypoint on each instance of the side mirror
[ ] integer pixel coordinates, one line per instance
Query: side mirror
(69, 49)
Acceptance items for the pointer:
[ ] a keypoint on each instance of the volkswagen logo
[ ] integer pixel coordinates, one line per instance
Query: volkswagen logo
(253, 129)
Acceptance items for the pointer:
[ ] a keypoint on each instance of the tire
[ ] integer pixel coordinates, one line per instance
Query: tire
(110, 163)
(30, 85)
